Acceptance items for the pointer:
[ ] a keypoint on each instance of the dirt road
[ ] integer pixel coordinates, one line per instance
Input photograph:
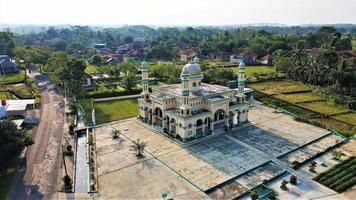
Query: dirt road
(36, 177)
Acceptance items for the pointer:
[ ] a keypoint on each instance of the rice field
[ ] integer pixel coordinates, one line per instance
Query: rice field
(277, 87)
(323, 108)
(299, 97)
(348, 117)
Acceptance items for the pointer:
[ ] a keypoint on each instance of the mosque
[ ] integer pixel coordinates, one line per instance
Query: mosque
(193, 109)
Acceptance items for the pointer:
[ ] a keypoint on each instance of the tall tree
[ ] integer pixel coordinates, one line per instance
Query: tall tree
(7, 43)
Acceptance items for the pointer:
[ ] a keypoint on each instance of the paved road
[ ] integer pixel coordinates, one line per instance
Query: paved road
(37, 175)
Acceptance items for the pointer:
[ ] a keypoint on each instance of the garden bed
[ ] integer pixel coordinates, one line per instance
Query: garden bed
(340, 177)
(348, 117)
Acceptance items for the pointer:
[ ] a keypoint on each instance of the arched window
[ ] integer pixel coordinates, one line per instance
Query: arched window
(199, 83)
(190, 126)
(194, 84)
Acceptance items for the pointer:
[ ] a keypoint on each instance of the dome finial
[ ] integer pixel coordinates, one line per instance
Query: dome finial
(196, 59)
(242, 64)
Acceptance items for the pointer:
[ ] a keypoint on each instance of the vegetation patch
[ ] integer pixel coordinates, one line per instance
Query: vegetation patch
(14, 77)
(6, 177)
(87, 107)
(6, 95)
(108, 111)
(340, 177)
(299, 97)
(21, 90)
(348, 117)
(323, 108)
(278, 87)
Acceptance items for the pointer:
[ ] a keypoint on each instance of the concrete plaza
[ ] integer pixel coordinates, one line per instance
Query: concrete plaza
(244, 158)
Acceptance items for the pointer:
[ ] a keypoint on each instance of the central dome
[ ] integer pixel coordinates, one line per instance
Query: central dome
(192, 68)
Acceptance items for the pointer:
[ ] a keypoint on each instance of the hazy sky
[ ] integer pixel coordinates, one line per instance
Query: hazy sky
(176, 12)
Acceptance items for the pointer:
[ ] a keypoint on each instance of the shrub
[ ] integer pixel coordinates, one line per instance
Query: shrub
(112, 93)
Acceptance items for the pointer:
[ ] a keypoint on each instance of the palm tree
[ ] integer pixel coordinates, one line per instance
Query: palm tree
(138, 147)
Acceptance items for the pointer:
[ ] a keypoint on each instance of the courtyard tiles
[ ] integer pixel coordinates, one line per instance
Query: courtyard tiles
(146, 180)
(213, 161)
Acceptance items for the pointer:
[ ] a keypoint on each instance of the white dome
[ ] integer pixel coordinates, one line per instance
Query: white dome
(192, 68)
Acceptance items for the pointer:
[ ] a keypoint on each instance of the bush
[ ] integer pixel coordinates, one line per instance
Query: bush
(112, 93)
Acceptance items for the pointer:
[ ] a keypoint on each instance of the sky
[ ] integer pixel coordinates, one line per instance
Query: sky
(176, 12)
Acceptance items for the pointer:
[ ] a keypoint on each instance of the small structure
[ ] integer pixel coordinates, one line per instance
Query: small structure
(134, 55)
(267, 59)
(247, 57)
(99, 46)
(15, 107)
(7, 65)
(186, 54)
(193, 109)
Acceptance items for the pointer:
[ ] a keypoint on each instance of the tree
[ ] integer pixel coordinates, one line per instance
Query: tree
(12, 142)
(284, 185)
(337, 154)
(293, 179)
(116, 134)
(59, 45)
(273, 194)
(254, 195)
(97, 60)
(129, 80)
(7, 44)
(138, 147)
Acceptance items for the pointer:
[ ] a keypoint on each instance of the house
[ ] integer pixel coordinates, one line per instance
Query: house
(347, 54)
(134, 55)
(7, 65)
(267, 59)
(221, 56)
(122, 49)
(186, 54)
(247, 57)
(99, 46)
(15, 107)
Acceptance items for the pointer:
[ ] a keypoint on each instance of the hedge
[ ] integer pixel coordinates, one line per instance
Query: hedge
(346, 185)
(333, 168)
(112, 93)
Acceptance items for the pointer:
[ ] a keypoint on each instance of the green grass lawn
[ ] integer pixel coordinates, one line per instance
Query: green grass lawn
(277, 87)
(21, 90)
(7, 177)
(348, 117)
(92, 69)
(6, 95)
(299, 97)
(354, 45)
(323, 107)
(14, 77)
(251, 70)
(108, 111)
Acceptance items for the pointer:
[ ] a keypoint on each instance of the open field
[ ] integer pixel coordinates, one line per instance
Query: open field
(323, 107)
(251, 70)
(108, 111)
(14, 77)
(277, 87)
(354, 45)
(340, 177)
(348, 117)
(299, 97)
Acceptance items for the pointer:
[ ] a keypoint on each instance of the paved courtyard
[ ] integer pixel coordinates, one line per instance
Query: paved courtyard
(189, 172)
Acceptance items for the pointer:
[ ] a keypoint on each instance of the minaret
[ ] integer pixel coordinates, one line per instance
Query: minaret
(144, 69)
(241, 82)
(185, 107)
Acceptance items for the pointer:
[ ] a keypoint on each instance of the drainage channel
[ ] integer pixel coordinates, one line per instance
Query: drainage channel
(81, 165)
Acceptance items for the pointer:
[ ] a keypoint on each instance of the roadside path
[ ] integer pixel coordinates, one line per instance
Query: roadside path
(36, 177)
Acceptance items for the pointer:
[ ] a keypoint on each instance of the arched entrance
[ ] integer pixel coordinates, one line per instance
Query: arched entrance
(146, 114)
(219, 119)
(158, 117)
(173, 126)
(199, 127)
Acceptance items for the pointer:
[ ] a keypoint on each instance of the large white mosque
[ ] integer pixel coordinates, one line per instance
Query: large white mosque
(194, 109)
